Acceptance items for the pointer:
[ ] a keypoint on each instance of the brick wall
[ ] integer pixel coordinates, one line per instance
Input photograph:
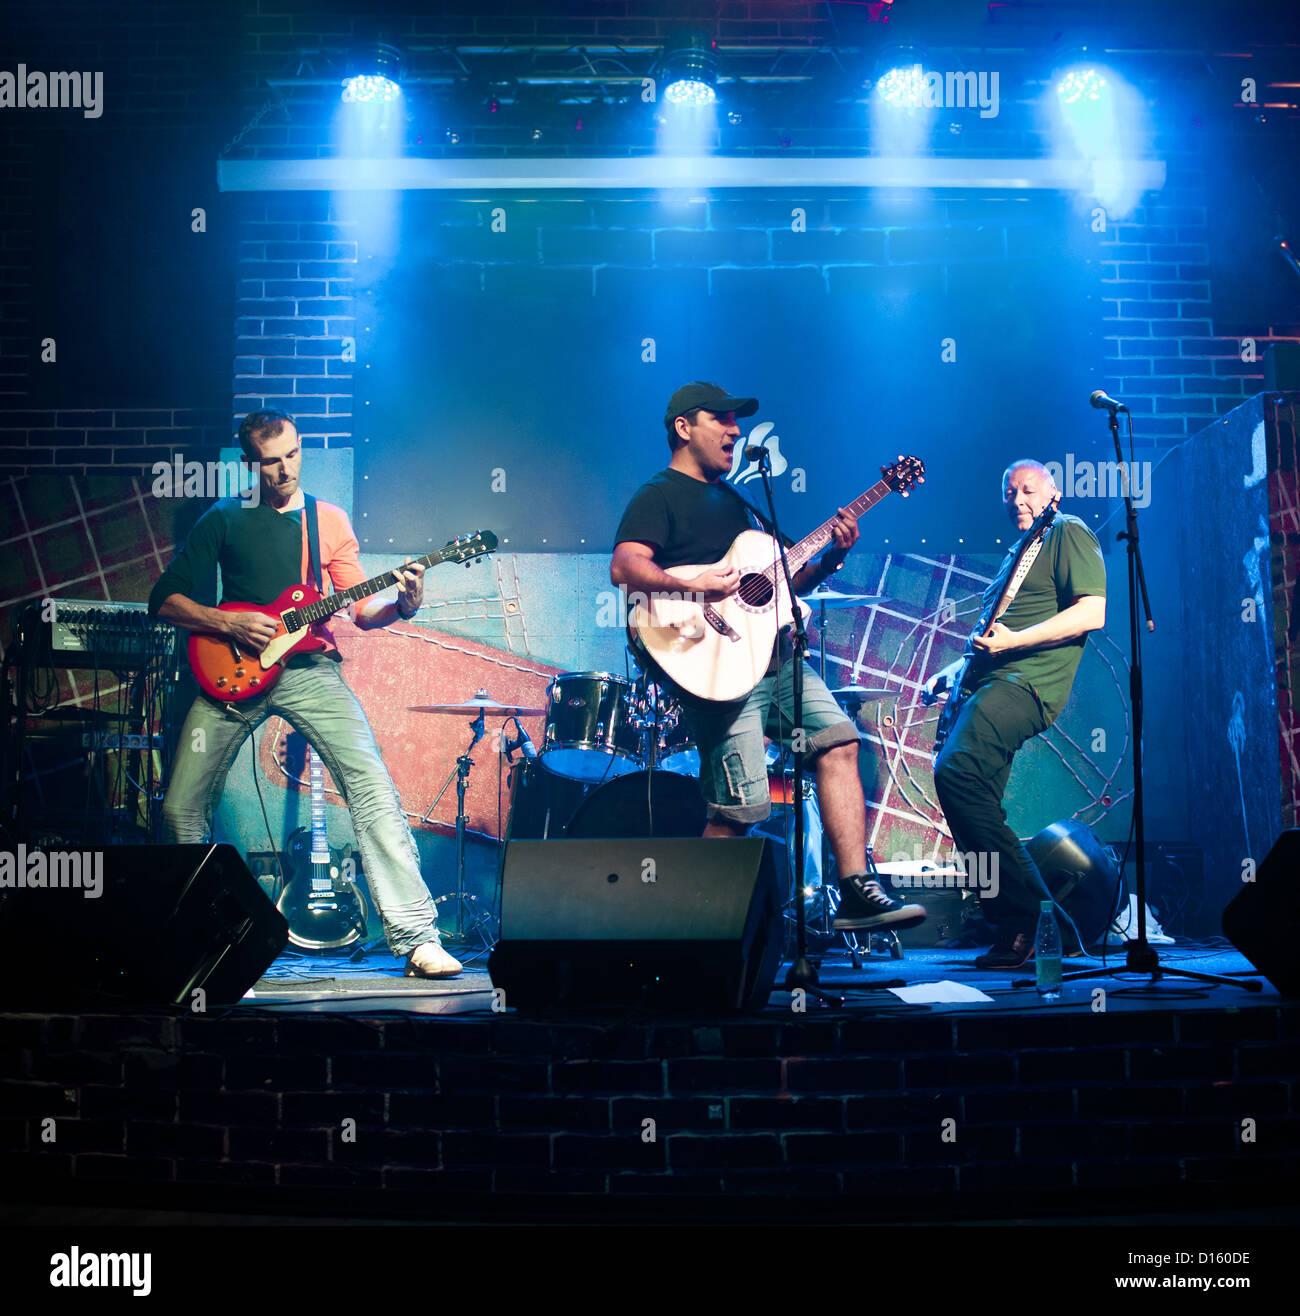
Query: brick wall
(294, 310)
(1166, 352)
(457, 1112)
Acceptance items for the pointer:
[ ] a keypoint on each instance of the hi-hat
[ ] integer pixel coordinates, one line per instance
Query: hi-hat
(481, 703)
(832, 598)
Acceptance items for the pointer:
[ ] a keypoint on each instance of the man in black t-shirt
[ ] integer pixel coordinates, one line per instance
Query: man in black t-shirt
(688, 514)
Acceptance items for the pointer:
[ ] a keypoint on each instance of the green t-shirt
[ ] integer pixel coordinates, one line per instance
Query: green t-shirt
(1069, 565)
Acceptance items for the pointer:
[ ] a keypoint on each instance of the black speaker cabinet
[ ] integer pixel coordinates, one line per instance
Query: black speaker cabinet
(672, 924)
(1263, 919)
(167, 919)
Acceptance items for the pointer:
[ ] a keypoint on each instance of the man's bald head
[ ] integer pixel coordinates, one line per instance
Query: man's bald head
(1027, 487)
(1027, 464)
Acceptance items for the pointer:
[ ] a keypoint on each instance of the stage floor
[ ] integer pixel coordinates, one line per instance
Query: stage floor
(375, 983)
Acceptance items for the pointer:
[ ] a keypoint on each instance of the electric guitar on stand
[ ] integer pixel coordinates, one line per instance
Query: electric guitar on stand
(719, 651)
(1025, 553)
(323, 902)
(226, 672)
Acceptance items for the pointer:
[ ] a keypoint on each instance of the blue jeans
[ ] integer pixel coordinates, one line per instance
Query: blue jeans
(733, 765)
(313, 697)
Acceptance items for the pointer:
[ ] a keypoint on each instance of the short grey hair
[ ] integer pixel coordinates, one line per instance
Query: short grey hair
(1031, 464)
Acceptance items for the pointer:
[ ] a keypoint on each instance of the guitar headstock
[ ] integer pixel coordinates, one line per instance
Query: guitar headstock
(465, 548)
(1047, 515)
(904, 474)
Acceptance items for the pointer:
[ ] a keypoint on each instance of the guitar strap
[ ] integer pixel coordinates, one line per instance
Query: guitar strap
(312, 523)
(763, 522)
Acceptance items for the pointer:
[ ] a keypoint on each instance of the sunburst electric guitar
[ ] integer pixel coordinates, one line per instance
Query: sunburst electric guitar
(719, 651)
(1026, 552)
(229, 672)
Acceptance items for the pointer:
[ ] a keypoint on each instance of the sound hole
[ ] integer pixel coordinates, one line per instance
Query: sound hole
(756, 590)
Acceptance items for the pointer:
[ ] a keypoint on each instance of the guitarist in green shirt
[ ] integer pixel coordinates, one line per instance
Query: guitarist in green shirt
(1018, 680)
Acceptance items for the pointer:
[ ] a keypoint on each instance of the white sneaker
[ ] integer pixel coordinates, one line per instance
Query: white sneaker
(429, 960)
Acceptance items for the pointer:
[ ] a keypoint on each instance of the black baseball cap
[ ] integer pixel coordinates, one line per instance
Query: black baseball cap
(711, 397)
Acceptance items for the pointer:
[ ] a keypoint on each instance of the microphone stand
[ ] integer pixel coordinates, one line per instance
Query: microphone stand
(801, 975)
(1139, 955)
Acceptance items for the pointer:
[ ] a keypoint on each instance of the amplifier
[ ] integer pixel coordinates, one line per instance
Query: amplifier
(96, 633)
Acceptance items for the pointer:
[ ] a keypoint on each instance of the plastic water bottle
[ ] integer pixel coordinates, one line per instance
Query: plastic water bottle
(1047, 953)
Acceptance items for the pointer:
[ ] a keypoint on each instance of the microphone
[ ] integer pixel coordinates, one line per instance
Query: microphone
(755, 450)
(1104, 403)
(524, 743)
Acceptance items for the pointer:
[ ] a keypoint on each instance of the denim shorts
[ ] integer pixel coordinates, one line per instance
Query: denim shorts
(729, 737)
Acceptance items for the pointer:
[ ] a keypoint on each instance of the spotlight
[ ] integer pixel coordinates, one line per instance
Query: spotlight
(374, 75)
(901, 87)
(1081, 85)
(1082, 874)
(690, 69)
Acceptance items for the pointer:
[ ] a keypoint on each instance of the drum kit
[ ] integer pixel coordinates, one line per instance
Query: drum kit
(617, 761)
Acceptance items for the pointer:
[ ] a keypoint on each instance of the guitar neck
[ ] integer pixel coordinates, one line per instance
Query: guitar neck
(320, 846)
(328, 606)
(812, 544)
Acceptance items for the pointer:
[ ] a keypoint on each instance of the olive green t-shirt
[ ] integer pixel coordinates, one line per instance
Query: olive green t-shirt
(1069, 565)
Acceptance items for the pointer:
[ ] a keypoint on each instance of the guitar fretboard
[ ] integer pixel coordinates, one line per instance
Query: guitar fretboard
(812, 544)
(320, 846)
(327, 607)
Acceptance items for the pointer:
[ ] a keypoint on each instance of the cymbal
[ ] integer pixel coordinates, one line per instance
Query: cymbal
(481, 703)
(832, 598)
(862, 694)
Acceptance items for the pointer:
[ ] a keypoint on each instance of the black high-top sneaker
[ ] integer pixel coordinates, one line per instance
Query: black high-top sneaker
(865, 904)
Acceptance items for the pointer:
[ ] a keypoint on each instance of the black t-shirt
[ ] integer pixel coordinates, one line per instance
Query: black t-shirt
(691, 523)
(688, 521)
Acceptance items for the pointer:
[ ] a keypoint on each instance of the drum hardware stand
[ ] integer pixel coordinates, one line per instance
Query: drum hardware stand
(1139, 957)
(461, 774)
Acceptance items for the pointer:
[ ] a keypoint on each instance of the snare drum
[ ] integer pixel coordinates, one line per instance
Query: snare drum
(592, 731)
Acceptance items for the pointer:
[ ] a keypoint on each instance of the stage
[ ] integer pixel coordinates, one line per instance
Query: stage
(336, 1088)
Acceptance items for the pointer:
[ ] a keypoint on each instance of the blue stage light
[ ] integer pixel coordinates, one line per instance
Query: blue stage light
(901, 87)
(690, 69)
(372, 75)
(1081, 85)
(686, 91)
(369, 88)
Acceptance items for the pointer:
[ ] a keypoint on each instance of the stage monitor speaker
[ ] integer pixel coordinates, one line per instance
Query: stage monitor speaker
(665, 923)
(1263, 919)
(167, 919)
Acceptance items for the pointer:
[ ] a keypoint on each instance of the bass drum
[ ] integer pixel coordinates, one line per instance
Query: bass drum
(620, 808)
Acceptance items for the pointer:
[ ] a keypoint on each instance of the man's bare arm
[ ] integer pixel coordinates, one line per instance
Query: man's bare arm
(250, 630)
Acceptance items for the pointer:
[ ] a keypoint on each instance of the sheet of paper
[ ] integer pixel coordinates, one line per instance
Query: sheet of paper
(938, 993)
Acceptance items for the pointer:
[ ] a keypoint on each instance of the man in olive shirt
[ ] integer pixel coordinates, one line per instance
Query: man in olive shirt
(1018, 683)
